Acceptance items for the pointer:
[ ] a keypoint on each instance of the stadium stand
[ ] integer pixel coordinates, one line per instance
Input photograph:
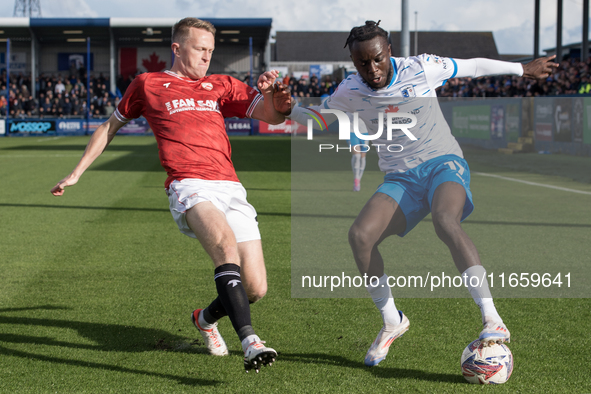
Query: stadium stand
(48, 50)
(62, 93)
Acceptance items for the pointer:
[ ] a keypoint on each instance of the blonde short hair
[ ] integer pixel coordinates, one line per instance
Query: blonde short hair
(180, 30)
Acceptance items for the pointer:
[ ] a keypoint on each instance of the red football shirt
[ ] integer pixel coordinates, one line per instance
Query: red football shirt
(187, 118)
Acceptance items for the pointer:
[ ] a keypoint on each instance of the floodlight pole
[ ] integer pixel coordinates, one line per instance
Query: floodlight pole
(404, 31)
(7, 125)
(585, 42)
(536, 29)
(87, 84)
(559, 31)
(416, 33)
(250, 78)
(112, 76)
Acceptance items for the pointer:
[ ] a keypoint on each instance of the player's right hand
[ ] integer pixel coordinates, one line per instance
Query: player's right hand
(58, 189)
(282, 98)
(266, 81)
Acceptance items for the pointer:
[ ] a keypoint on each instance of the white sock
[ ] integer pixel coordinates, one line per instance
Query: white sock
(361, 167)
(355, 163)
(382, 297)
(203, 323)
(481, 293)
(248, 340)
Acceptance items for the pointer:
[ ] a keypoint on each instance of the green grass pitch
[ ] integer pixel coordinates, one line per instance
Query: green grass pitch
(97, 286)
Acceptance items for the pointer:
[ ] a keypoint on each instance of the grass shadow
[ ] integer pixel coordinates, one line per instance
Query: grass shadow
(105, 337)
(89, 364)
(379, 372)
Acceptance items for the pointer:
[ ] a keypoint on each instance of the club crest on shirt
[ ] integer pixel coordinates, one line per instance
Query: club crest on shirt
(408, 91)
(207, 86)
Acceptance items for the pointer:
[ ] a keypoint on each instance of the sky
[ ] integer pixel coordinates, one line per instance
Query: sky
(511, 21)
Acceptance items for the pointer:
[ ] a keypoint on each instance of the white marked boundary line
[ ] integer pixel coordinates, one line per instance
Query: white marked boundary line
(44, 139)
(532, 183)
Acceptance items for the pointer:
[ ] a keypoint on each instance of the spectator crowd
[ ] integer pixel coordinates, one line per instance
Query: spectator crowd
(58, 96)
(571, 78)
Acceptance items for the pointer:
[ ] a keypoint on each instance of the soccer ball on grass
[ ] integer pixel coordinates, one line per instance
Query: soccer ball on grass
(484, 364)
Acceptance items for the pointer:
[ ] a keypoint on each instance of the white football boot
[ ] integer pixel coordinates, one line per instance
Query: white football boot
(495, 332)
(379, 348)
(257, 355)
(213, 339)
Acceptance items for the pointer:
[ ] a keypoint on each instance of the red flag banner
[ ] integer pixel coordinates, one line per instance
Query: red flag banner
(140, 60)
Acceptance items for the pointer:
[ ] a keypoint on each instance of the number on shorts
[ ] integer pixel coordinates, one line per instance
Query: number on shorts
(452, 165)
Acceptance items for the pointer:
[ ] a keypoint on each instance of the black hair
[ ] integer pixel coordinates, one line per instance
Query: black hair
(370, 30)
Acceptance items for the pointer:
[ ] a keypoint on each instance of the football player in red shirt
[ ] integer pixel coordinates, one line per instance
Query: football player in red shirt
(186, 109)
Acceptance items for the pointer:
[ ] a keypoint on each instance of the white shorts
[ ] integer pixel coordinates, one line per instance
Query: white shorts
(229, 197)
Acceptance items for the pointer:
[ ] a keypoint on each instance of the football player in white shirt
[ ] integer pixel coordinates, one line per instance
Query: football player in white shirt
(427, 175)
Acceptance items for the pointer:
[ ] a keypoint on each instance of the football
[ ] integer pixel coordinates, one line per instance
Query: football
(483, 364)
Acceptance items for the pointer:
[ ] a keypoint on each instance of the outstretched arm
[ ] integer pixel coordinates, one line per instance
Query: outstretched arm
(276, 99)
(97, 144)
(480, 67)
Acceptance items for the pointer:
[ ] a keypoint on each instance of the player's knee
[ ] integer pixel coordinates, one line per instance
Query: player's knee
(224, 252)
(445, 224)
(359, 238)
(257, 293)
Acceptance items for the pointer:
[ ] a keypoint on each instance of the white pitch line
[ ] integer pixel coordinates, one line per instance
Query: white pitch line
(49, 139)
(112, 154)
(532, 183)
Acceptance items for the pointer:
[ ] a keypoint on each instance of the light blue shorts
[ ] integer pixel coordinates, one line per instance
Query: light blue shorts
(413, 190)
(354, 140)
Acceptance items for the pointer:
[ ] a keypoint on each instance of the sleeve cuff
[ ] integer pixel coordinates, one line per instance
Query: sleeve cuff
(120, 117)
(253, 105)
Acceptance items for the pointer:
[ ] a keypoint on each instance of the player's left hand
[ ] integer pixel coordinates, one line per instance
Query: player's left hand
(266, 80)
(282, 99)
(540, 68)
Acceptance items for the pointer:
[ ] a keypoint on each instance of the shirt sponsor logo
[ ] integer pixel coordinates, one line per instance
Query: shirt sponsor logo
(189, 104)
(207, 86)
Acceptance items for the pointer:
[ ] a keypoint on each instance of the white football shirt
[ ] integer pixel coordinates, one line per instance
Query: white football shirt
(411, 90)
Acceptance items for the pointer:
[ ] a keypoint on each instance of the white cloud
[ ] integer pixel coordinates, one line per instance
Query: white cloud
(68, 9)
(515, 40)
(446, 26)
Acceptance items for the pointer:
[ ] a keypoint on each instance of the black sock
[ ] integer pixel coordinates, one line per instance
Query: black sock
(214, 312)
(233, 297)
